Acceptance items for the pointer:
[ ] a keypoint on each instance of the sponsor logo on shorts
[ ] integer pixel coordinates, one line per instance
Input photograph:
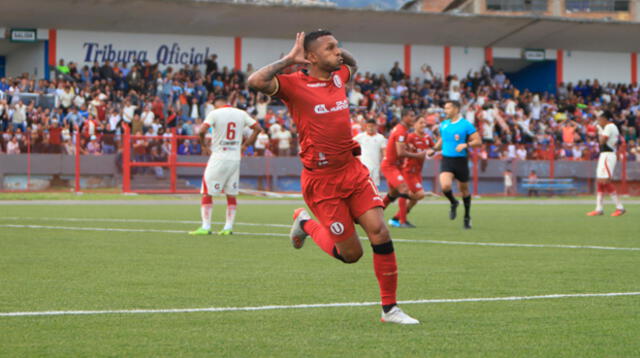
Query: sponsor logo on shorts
(419, 186)
(217, 186)
(337, 228)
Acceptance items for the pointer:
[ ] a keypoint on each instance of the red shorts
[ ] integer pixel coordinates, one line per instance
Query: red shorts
(393, 175)
(337, 197)
(414, 181)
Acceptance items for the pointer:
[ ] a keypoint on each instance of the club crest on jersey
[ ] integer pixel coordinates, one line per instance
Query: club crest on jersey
(337, 81)
(337, 228)
(456, 137)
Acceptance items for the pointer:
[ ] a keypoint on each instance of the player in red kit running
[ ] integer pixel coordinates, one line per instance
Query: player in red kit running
(392, 163)
(335, 184)
(417, 142)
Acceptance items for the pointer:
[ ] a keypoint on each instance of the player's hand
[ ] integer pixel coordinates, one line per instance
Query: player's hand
(296, 55)
(462, 146)
(243, 149)
(430, 153)
(206, 151)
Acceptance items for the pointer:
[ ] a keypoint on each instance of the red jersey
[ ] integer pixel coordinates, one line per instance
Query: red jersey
(398, 135)
(320, 110)
(415, 144)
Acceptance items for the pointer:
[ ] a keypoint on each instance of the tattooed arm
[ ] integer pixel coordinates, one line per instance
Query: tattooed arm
(264, 80)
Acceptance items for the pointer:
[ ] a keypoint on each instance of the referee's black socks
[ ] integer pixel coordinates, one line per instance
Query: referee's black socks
(449, 195)
(467, 205)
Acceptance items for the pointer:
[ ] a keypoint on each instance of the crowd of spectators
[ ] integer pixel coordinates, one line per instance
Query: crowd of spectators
(96, 101)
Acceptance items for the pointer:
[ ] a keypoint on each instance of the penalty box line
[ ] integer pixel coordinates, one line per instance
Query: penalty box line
(307, 306)
(441, 242)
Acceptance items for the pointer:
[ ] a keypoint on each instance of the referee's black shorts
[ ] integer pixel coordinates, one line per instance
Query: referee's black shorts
(459, 166)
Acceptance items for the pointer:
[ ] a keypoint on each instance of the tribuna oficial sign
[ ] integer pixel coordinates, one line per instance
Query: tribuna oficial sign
(165, 54)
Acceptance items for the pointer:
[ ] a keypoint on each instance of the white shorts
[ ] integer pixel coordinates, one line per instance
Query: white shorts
(221, 176)
(374, 173)
(606, 165)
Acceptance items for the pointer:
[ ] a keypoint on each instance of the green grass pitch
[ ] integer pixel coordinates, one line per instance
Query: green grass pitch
(54, 269)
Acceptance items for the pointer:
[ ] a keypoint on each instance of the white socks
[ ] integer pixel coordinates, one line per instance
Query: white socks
(205, 213)
(599, 201)
(616, 200)
(231, 217)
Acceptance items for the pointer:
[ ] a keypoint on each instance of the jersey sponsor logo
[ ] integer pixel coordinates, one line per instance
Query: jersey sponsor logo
(337, 81)
(340, 105)
(315, 85)
(337, 228)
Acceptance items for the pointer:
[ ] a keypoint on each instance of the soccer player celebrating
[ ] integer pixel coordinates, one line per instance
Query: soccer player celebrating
(417, 142)
(392, 166)
(608, 136)
(335, 184)
(223, 169)
(457, 135)
(372, 144)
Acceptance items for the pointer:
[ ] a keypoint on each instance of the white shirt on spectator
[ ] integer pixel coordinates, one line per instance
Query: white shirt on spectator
(147, 118)
(284, 139)
(262, 141)
(128, 112)
(274, 129)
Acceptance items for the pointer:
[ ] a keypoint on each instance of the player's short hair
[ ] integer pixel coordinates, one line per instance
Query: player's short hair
(371, 121)
(314, 35)
(406, 111)
(220, 98)
(606, 114)
(454, 103)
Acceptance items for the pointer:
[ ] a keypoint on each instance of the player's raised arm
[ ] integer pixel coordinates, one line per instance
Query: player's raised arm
(264, 80)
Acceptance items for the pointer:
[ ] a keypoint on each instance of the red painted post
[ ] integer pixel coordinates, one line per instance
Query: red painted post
(126, 159)
(474, 157)
(77, 187)
(28, 160)
(173, 159)
(623, 175)
(552, 159)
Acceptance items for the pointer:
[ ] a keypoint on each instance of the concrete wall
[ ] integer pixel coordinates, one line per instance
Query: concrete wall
(606, 67)
(27, 57)
(83, 46)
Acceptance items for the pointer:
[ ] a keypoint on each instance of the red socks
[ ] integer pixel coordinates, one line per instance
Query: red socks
(402, 212)
(386, 269)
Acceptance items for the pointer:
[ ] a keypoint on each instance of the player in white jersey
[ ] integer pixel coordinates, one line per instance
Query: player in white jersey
(372, 144)
(608, 136)
(222, 173)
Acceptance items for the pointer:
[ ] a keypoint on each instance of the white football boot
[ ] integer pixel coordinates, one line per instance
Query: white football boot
(396, 315)
(297, 234)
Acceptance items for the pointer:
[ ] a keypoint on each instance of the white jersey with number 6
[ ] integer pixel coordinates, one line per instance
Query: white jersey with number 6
(223, 169)
(228, 124)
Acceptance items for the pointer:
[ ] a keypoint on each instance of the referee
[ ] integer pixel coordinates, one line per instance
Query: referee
(456, 136)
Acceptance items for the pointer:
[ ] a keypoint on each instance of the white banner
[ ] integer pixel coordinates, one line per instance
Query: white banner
(85, 47)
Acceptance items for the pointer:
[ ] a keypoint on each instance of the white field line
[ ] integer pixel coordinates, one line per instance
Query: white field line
(442, 242)
(149, 221)
(314, 305)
